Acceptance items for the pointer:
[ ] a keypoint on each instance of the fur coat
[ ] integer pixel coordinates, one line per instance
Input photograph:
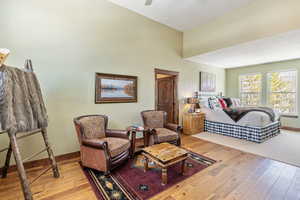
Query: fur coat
(21, 103)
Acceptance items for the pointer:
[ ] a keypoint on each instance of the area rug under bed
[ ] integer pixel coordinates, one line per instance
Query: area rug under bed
(130, 182)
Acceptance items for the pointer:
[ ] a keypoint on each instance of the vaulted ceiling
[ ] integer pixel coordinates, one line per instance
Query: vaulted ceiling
(229, 33)
(285, 46)
(182, 14)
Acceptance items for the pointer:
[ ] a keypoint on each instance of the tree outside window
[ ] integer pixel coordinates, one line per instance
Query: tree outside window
(250, 89)
(282, 91)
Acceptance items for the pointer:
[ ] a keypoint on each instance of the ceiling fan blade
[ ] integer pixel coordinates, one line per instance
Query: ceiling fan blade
(148, 3)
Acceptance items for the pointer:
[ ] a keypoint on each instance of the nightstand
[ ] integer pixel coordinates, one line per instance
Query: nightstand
(193, 123)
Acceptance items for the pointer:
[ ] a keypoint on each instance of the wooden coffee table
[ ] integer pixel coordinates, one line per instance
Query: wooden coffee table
(165, 155)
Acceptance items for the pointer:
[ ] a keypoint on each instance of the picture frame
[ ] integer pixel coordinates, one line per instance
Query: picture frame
(115, 88)
(207, 82)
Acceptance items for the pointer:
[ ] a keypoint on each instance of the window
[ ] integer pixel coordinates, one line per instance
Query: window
(282, 91)
(250, 89)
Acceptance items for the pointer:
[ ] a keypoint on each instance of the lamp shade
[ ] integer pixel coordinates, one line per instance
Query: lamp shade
(194, 104)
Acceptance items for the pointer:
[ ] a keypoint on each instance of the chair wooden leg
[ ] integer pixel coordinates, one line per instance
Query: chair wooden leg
(179, 142)
(50, 154)
(145, 135)
(22, 174)
(7, 162)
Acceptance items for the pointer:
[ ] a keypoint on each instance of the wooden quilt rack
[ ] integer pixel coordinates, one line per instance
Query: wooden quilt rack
(13, 148)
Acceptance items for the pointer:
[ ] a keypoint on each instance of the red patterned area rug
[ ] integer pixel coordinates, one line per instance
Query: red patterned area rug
(130, 182)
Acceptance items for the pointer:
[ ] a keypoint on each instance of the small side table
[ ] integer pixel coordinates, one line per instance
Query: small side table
(133, 131)
(193, 123)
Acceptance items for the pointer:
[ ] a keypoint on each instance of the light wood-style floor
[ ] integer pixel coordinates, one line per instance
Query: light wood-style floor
(236, 175)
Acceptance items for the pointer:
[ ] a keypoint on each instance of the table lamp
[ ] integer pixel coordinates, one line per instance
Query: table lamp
(194, 104)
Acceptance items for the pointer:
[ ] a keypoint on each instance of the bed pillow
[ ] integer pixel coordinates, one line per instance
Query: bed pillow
(204, 103)
(236, 102)
(223, 103)
(214, 103)
(228, 101)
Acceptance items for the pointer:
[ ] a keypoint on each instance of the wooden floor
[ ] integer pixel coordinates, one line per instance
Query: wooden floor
(236, 175)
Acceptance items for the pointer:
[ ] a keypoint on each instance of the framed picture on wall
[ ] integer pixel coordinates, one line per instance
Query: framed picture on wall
(114, 88)
(207, 82)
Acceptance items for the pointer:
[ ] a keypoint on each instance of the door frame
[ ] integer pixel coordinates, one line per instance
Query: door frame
(176, 102)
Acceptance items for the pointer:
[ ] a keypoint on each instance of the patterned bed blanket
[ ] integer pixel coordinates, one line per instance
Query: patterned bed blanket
(239, 112)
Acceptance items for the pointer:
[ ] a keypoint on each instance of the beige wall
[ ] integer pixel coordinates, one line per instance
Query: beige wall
(232, 77)
(259, 19)
(68, 41)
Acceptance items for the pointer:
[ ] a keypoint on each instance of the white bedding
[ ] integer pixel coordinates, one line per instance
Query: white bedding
(254, 119)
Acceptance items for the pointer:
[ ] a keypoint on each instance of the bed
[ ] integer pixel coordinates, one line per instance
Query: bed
(255, 126)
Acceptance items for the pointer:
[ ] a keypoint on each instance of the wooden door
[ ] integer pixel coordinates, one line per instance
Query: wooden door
(165, 99)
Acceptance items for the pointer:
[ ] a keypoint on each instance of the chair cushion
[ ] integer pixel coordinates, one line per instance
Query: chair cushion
(116, 145)
(93, 127)
(154, 119)
(165, 135)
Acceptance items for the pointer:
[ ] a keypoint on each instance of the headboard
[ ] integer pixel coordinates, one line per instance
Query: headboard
(200, 94)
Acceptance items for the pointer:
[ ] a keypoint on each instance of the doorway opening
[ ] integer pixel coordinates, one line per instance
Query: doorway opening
(166, 94)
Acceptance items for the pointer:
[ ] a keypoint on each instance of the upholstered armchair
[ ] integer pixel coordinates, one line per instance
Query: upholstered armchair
(159, 131)
(101, 148)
